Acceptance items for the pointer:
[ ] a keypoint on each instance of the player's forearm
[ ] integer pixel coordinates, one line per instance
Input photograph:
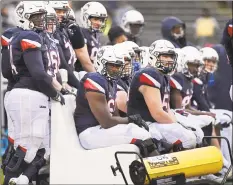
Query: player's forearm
(56, 84)
(115, 120)
(84, 58)
(164, 117)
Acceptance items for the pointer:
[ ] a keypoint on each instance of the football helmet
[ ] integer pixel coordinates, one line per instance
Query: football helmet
(51, 19)
(162, 56)
(109, 62)
(210, 58)
(93, 10)
(180, 58)
(122, 49)
(133, 22)
(31, 15)
(144, 56)
(193, 57)
(62, 9)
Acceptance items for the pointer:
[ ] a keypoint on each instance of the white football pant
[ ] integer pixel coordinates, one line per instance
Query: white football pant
(98, 137)
(10, 125)
(29, 111)
(172, 133)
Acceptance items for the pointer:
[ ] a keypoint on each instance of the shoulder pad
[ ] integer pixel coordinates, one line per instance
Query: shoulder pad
(197, 81)
(176, 81)
(7, 35)
(151, 77)
(30, 40)
(95, 82)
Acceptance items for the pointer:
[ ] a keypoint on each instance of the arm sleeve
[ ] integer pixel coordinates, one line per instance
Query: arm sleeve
(72, 80)
(6, 66)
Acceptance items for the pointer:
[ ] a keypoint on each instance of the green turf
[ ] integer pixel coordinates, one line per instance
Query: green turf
(1, 174)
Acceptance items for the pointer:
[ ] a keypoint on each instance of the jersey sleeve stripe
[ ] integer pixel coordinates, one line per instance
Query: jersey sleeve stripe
(4, 41)
(230, 30)
(90, 84)
(174, 84)
(147, 79)
(197, 81)
(29, 44)
(120, 88)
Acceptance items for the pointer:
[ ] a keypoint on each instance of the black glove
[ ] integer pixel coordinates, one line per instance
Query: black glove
(137, 119)
(65, 92)
(59, 98)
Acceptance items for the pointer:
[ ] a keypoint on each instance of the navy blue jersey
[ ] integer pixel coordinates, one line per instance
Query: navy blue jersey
(51, 57)
(180, 82)
(200, 92)
(151, 77)
(93, 82)
(93, 44)
(6, 65)
(27, 63)
(53, 53)
(68, 51)
(122, 85)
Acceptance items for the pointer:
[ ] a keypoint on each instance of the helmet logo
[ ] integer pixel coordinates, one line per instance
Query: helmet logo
(20, 11)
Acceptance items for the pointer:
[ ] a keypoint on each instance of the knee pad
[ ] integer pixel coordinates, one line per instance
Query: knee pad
(7, 156)
(147, 147)
(36, 164)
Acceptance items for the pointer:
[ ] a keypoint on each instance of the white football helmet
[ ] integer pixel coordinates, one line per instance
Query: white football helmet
(126, 51)
(209, 54)
(162, 48)
(144, 56)
(61, 5)
(180, 59)
(93, 9)
(51, 19)
(109, 62)
(134, 50)
(31, 15)
(132, 22)
(192, 56)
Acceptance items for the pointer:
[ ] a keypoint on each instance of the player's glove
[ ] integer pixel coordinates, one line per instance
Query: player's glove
(59, 98)
(137, 119)
(66, 92)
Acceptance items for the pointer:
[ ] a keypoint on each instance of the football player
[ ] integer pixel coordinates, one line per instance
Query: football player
(93, 18)
(70, 37)
(201, 97)
(28, 104)
(149, 96)
(53, 52)
(182, 89)
(133, 23)
(7, 73)
(102, 127)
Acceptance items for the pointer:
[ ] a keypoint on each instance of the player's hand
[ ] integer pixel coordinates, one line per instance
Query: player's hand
(210, 114)
(137, 119)
(66, 92)
(59, 98)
